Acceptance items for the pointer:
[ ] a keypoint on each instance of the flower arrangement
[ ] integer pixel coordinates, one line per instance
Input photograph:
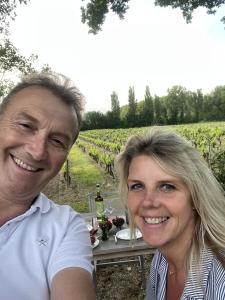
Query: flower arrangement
(108, 224)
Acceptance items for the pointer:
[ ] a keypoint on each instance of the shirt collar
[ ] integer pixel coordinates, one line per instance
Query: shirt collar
(193, 283)
(41, 202)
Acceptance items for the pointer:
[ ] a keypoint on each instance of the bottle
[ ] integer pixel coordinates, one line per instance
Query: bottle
(99, 203)
(104, 228)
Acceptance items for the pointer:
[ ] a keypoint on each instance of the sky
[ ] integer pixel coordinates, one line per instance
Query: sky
(152, 46)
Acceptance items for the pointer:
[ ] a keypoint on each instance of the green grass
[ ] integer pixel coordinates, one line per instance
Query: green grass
(83, 169)
(86, 175)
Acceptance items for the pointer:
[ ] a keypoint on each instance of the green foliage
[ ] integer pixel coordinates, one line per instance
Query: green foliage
(179, 106)
(176, 105)
(94, 119)
(115, 108)
(216, 103)
(147, 112)
(95, 12)
(7, 12)
(160, 114)
(85, 172)
(188, 7)
(209, 138)
(131, 116)
(11, 59)
(80, 206)
(12, 62)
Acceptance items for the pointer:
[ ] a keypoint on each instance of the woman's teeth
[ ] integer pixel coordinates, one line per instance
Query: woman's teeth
(155, 220)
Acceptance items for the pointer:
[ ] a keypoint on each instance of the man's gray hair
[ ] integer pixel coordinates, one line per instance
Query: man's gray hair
(58, 84)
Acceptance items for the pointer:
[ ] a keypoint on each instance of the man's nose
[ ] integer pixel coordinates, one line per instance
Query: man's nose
(37, 147)
(151, 199)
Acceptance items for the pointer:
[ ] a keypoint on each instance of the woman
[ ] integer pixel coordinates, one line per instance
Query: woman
(179, 206)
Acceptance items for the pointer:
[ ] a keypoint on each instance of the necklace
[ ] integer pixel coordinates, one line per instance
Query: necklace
(171, 273)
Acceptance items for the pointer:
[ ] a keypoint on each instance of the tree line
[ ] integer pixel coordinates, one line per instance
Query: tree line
(179, 106)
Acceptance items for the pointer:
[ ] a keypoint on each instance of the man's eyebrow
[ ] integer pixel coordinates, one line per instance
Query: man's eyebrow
(27, 116)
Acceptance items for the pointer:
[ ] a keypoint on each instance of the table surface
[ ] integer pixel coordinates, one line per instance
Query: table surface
(108, 252)
(123, 248)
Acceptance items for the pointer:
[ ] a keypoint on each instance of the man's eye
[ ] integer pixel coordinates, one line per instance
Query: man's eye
(58, 143)
(135, 187)
(167, 187)
(25, 125)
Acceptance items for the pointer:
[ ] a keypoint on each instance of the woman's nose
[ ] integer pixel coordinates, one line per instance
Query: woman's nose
(150, 199)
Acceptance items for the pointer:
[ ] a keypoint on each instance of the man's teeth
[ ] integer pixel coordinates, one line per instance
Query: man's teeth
(23, 165)
(155, 220)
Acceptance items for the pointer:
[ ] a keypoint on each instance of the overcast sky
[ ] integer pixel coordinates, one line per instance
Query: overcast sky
(152, 46)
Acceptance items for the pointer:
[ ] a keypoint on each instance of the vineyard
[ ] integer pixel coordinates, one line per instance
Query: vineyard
(103, 145)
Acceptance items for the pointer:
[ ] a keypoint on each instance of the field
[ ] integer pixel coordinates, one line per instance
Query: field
(103, 145)
(91, 161)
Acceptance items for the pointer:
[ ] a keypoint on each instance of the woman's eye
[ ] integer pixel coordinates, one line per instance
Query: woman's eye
(167, 187)
(135, 187)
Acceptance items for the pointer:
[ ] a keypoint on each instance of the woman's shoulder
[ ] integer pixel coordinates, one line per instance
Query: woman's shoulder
(218, 266)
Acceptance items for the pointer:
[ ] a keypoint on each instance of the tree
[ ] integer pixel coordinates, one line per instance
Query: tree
(115, 108)
(11, 59)
(196, 105)
(12, 62)
(93, 120)
(188, 7)
(160, 114)
(214, 104)
(176, 105)
(148, 110)
(131, 117)
(7, 12)
(95, 12)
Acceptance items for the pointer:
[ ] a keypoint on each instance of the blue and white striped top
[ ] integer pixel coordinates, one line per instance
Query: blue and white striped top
(211, 288)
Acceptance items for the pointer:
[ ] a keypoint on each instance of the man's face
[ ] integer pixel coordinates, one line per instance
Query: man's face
(36, 133)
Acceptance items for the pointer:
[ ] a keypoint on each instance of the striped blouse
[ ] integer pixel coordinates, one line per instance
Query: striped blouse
(212, 286)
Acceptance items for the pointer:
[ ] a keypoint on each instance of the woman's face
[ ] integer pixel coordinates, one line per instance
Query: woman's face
(160, 204)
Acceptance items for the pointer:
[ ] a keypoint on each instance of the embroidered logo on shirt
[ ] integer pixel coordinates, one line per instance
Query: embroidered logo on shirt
(42, 241)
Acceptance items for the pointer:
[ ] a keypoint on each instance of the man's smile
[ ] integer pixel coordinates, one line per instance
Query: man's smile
(24, 165)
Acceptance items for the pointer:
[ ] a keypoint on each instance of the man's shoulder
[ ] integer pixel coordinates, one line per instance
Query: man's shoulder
(49, 206)
(59, 215)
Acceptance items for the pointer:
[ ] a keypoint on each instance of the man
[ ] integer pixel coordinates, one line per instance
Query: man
(45, 250)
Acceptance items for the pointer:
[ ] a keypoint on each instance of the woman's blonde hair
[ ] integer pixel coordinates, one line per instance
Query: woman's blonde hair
(180, 159)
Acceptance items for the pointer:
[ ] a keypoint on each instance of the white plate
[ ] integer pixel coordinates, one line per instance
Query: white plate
(89, 227)
(96, 243)
(125, 234)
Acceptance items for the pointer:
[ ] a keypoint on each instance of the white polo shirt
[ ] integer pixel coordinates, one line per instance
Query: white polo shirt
(36, 245)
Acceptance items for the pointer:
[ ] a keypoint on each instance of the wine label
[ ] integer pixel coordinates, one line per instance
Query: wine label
(99, 208)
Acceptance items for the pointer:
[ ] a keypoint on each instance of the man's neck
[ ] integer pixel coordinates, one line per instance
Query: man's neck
(11, 209)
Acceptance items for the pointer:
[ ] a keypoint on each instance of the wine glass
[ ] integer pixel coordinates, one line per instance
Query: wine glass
(109, 208)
